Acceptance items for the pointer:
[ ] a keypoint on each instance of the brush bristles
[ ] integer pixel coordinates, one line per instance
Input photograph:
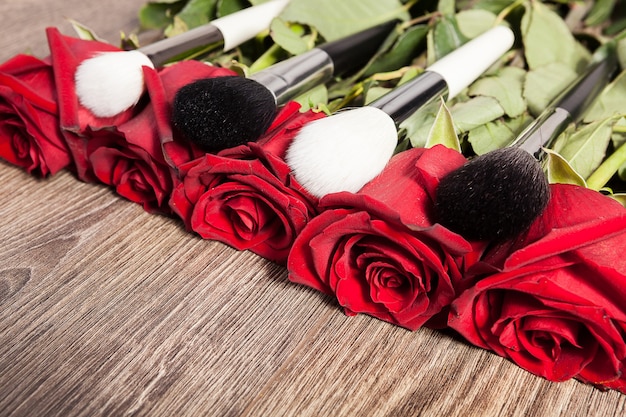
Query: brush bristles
(223, 112)
(342, 152)
(111, 82)
(494, 196)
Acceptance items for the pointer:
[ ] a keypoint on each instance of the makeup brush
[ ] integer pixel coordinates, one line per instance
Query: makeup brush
(111, 82)
(499, 194)
(346, 150)
(223, 112)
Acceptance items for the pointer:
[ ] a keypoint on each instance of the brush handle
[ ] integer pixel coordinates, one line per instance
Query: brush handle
(566, 108)
(464, 65)
(298, 74)
(228, 31)
(354, 51)
(543, 131)
(586, 88)
(294, 76)
(448, 76)
(404, 100)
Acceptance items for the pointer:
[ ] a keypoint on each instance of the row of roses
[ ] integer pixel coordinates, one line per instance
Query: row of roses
(550, 300)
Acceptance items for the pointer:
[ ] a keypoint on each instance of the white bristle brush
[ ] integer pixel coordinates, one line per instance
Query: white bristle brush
(111, 82)
(346, 150)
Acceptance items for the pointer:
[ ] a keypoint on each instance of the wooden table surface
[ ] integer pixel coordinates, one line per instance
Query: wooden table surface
(106, 310)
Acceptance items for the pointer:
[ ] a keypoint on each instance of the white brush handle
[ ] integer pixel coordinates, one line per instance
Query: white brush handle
(464, 65)
(238, 27)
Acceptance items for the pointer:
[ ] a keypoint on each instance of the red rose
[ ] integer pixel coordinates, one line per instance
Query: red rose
(245, 196)
(378, 251)
(123, 151)
(29, 119)
(141, 125)
(77, 123)
(554, 300)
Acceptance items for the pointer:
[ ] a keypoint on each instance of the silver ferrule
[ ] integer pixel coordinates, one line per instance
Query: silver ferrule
(165, 50)
(543, 131)
(290, 78)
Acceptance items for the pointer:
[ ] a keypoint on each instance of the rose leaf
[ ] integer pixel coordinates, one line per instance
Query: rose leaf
(336, 19)
(475, 112)
(194, 14)
(558, 170)
(543, 84)
(444, 38)
(442, 131)
(506, 87)
(313, 98)
(284, 35)
(610, 102)
(402, 52)
(497, 134)
(600, 12)
(225, 8)
(547, 39)
(585, 148)
(473, 22)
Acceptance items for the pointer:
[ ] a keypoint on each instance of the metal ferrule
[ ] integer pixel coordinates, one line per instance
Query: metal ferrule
(167, 49)
(543, 131)
(290, 78)
(403, 101)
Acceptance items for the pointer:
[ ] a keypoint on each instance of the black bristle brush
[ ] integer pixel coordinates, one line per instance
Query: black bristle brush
(223, 112)
(499, 194)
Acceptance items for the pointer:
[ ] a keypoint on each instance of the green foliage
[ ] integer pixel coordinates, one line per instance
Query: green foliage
(555, 43)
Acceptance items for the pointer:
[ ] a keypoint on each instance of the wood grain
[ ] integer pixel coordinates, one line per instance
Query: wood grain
(106, 310)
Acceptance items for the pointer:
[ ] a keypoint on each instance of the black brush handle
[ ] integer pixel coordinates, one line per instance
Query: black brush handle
(567, 107)
(354, 51)
(404, 100)
(579, 96)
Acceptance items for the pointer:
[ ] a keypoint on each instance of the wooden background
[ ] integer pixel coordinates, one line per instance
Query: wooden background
(106, 310)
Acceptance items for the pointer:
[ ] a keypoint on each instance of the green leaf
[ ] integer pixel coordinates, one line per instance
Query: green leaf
(442, 131)
(543, 84)
(84, 32)
(585, 148)
(621, 52)
(446, 7)
(600, 12)
(194, 14)
(558, 170)
(547, 39)
(601, 176)
(403, 51)
(417, 126)
(158, 15)
(473, 22)
(494, 6)
(497, 134)
(611, 102)
(476, 112)
(444, 38)
(313, 98)
(506, 87)
(226, 7)
(289, 39)
(336, 19)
